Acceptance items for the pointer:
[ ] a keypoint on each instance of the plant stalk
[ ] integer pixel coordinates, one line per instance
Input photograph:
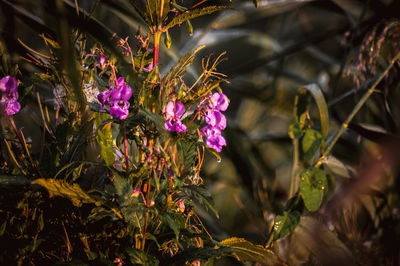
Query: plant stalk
(362, 101)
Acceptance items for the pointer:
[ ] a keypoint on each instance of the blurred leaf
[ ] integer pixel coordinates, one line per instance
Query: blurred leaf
(66, 190)
(313, 183)
(337, 167)
(6, 180)
(285, 224)
(105, 139)
(247, 251)
(321, 242)
(194, 14)
(311, 142)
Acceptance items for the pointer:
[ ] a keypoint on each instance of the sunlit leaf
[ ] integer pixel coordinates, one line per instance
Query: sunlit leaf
(66, 190)
(105, 139)
(194, 14)
(285, 224)
(311, 142)
(313, 183)
(247, 251)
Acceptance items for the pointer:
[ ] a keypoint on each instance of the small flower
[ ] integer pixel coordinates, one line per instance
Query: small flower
(9, 97)
(219, 101)
(102, 61)
(216, 142)
(216, 119)
(117, 99)
(149, 67)
(173, 112)
(135, 193)
(8, 84)
(181, 206)
(195, 263)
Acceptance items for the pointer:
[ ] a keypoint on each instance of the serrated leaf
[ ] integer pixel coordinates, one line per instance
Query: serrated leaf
(194, 14)
(138, 257)
(171, 223)
(313, 183)
(311, 142)
(285, 224)
(180, 67)
(105, 139)
(63, 189)
(247, 251)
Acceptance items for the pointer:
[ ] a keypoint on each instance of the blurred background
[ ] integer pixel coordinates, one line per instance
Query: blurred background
(271, 52)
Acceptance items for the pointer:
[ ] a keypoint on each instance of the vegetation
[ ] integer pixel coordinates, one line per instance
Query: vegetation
(118, 146)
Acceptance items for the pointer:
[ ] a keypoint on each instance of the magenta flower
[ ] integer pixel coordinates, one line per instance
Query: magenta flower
(117, 99)
(216, 142)
(9, 97)
(216, 119)
(180, 206)
(173, 112)
(136, 192)
(219, 101)
(148, 68)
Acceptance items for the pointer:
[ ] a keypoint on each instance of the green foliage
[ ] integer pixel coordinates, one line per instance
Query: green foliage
(285, 224)
(247, 251)
(313, 184)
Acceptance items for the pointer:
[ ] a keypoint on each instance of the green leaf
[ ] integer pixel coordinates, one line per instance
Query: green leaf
(285, 224)
(313, 183)
(247, 251)
(138, 257)
(105, 139)
(311, 143)
(166, 218)
(66, 190)
(194, 14)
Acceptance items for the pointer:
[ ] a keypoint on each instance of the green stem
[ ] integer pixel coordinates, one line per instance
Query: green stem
(295, 178)
(359, 105)
(126, 148)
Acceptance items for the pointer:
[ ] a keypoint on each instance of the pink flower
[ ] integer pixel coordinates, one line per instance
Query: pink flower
(9, 96)
(173, 112)
(219, 101)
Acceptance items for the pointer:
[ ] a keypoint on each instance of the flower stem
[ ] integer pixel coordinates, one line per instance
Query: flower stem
(359, 105)
(157, 37)
(126, 148)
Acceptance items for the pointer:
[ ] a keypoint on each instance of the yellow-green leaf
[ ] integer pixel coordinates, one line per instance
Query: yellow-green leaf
(247, 251)
(194, 14)
(66, 190)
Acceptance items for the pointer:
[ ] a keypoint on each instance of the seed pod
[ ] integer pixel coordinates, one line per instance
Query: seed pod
(167, 40)
(189, 27)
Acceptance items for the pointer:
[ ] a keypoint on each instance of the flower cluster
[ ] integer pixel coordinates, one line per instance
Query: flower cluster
(216, 121)
(9, 97)
(173, 113)
(117, 99)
